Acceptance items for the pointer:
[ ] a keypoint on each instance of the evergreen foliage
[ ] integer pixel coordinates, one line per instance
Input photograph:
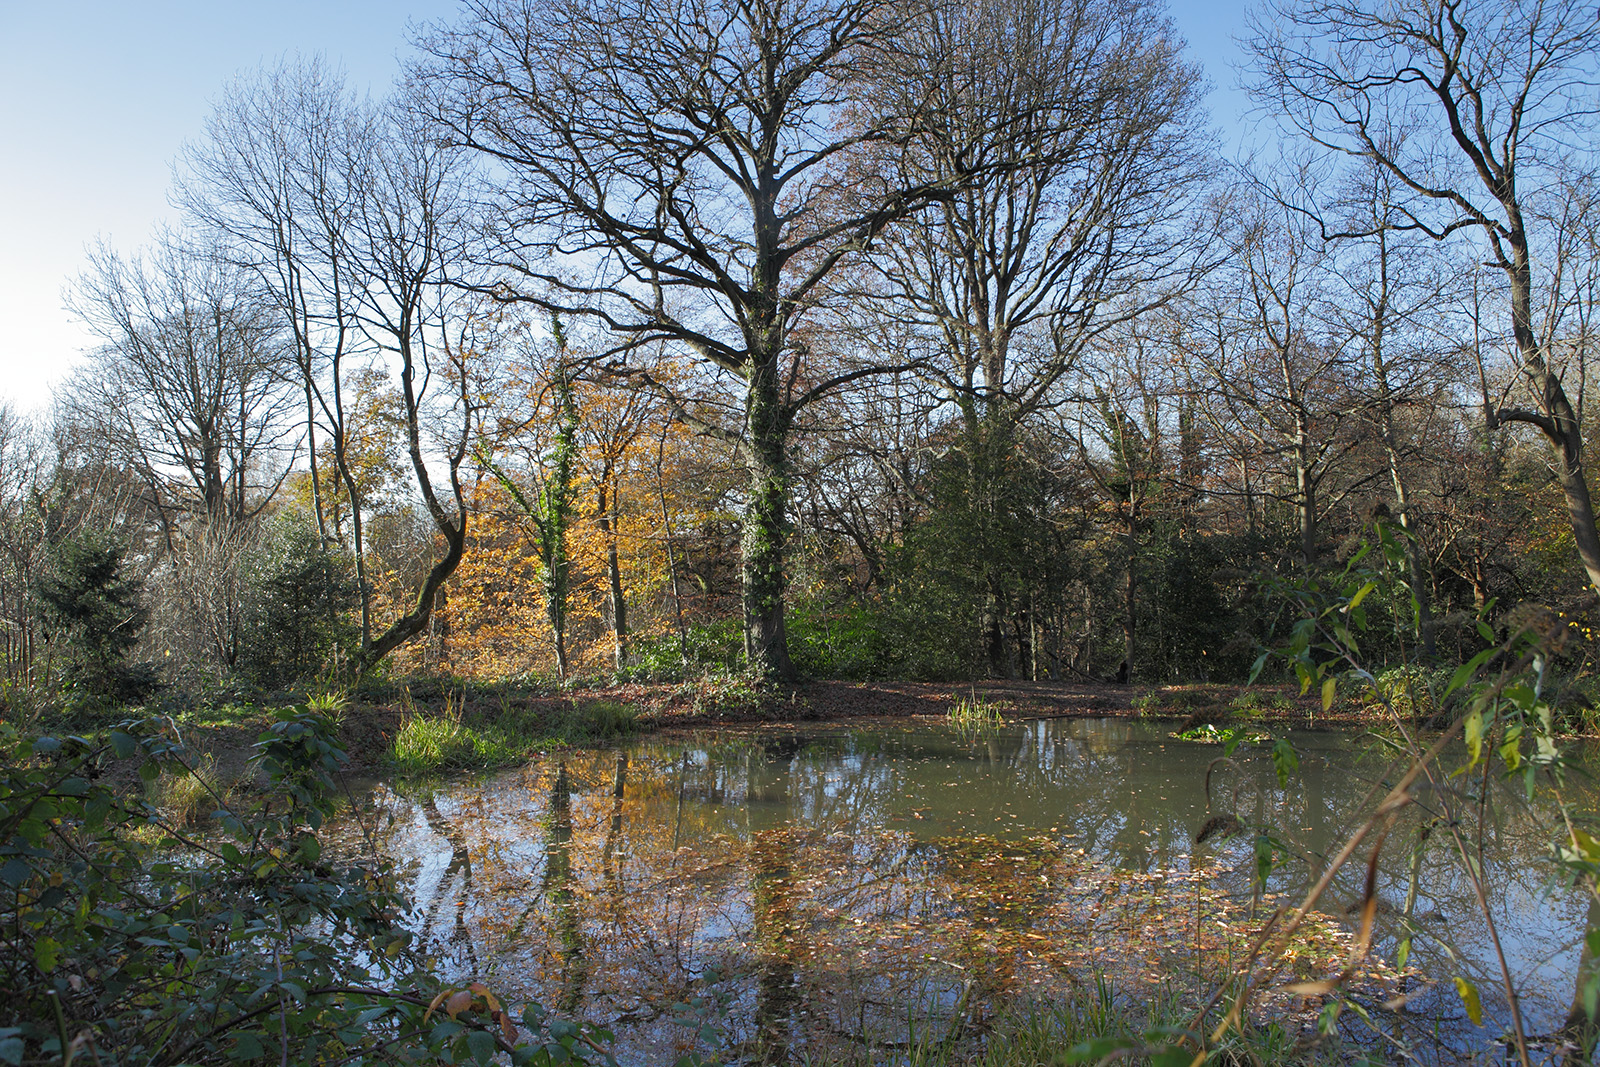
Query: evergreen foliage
(298, 619)
(94, 613)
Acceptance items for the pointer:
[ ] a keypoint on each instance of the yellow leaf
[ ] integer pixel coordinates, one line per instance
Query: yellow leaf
(1328, 687)
(1474, 737)
(1469, 998)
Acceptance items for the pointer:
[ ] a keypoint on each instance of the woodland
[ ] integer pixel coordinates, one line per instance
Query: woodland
(742, 342)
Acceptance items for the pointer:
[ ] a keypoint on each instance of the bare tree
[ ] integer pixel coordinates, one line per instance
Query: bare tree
(1271, 371)
(346, 214)
(24, 484)
(1484, 114)
(1389, 305)
(690, 173)
(273, 174)
(1080, 133)
(185, 385)
(1079, 130)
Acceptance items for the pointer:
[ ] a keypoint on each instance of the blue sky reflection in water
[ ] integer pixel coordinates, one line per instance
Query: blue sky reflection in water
(859, 871)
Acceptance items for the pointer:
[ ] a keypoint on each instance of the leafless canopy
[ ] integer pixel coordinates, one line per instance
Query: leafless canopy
(185, 386)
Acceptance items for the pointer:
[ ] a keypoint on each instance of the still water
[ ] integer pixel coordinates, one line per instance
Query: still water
(847, 889)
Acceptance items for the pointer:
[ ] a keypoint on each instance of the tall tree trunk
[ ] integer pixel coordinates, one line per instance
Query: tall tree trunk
(1305, 496)
(1556, 416)
(566, 920)
(766, 643)
(1415, 564)
(609, 515)
(1130, 591)
(666, 533)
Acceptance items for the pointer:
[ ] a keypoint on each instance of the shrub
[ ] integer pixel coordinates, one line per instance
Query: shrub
(602, 720)
(93, 612)
(1410, 690)
(124, 941)
(297, 611)
(433, 743)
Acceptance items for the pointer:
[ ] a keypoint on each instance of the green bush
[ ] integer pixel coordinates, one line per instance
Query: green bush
(93, 613)
(297, 613)
(1410, 690)
(427, 743)
(602, 720)
(845, 641)
(124, 941)
(718, 644)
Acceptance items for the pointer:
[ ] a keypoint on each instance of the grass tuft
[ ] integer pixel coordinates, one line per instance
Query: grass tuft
(187, 798)
(976, 713)
(452, 740)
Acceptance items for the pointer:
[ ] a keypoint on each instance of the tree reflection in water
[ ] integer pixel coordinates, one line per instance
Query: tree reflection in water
(858, 885)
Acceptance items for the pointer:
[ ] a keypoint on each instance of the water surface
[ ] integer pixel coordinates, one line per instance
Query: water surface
(849, 888)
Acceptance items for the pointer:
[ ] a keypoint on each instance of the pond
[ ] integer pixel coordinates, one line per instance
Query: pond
(837, 892)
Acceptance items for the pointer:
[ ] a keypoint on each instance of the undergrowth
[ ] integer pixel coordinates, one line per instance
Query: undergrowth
(430, 742)
(975, 712)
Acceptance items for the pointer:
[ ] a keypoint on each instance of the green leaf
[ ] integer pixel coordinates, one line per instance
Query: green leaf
(1402, 953)
(1172, 1056)
(1284, 760)
(1263, 858)
(1583, 848)
(96, 810)
(482, 1045)
(123, 744)
(247, 1048)
(11, 1045)
(1330, 686)
(1468, 670)
(47, 953)
(1469, 999)
(14, 872)
(1591, 988)
(1096, 1050)
(310, 849)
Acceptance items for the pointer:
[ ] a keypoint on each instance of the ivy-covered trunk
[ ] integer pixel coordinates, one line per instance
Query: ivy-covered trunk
(766, 643)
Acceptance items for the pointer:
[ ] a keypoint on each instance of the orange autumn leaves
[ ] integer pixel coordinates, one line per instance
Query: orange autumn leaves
(650, 477)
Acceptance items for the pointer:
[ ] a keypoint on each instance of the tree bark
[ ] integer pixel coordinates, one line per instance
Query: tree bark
(766, 645)
(607, 513)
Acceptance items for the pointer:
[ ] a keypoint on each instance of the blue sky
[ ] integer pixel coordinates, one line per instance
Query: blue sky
(96, 98)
